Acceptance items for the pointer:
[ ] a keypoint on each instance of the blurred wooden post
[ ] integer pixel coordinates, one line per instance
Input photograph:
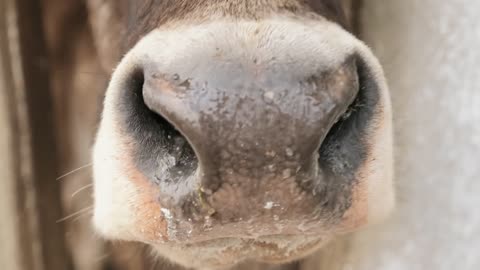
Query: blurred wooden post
(30, 205)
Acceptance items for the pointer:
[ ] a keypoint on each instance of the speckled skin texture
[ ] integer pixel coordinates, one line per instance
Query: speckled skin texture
(429, 50)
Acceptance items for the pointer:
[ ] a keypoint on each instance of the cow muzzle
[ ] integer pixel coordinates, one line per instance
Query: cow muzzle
(257, 136)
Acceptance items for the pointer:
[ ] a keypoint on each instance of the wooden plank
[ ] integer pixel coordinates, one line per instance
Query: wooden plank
(10, 255)
(352, 9)
(35, 239)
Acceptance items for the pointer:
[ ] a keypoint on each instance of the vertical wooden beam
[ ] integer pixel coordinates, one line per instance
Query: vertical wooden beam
(352, 9)
(32, 202)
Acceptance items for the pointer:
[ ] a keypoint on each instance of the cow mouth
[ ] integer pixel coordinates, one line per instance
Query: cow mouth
(269, 249)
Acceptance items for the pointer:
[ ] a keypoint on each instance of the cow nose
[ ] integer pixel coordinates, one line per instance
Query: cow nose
(248, 129)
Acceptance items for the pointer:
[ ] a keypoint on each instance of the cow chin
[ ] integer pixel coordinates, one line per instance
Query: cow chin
(129, 205)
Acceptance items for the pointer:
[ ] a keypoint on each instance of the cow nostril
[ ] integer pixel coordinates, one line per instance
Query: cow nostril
(343, 149)
(163, 152)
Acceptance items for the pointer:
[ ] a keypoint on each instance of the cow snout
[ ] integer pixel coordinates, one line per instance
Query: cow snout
(241, 124)
(226, 144)
(242, 135)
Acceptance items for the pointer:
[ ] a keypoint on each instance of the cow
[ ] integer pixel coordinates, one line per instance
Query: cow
(237, 131)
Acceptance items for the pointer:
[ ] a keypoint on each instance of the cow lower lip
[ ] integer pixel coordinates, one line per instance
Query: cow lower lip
(268, 249)
(249, 240)
(239, 242)
(266, 226)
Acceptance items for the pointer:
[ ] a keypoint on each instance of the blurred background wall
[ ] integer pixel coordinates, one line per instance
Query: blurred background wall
(430, 50)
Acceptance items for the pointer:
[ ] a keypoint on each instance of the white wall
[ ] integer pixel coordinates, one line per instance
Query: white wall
(431, 53)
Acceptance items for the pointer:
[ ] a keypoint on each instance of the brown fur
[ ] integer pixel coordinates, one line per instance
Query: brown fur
(150, 14)
(133, 19)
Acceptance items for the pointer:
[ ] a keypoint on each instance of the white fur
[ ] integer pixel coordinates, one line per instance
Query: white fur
(307, 47)
(114, 193)
(378, 172)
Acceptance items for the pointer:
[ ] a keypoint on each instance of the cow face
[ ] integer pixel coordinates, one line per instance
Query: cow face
(238, 130)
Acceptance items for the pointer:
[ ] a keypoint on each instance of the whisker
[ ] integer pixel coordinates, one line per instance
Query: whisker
(74, 171)
(81, 189)
(79, 212)
(82, 72)
(88, 213)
